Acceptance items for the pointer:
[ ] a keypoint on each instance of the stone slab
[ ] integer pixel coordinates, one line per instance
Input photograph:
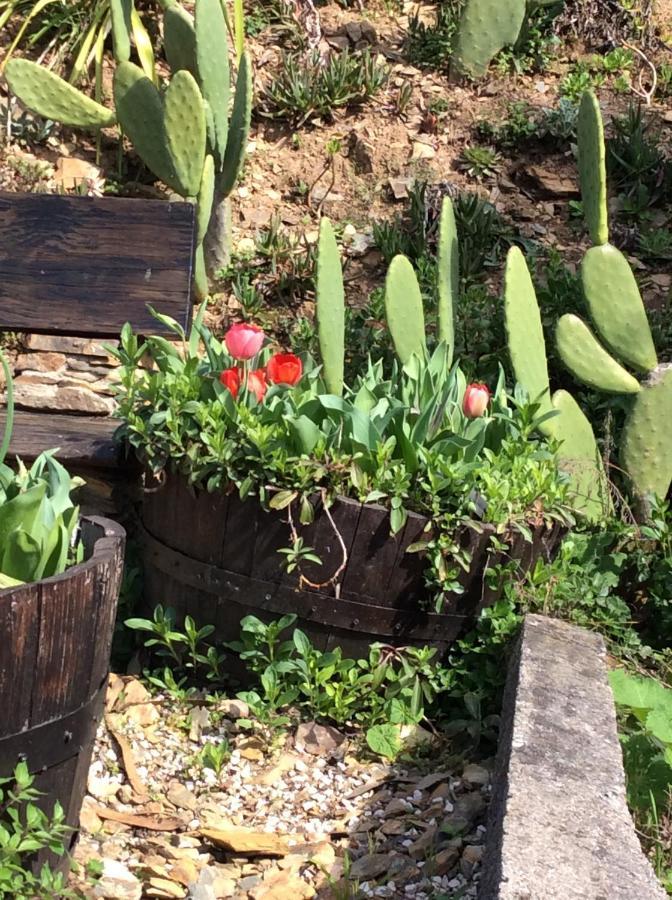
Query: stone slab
(559, 827)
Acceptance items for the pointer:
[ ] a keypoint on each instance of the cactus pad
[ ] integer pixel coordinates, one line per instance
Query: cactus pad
(579, 457)
(616, 307)
(184, 120)
(592, 168)
(140, 113)
(587, 359)
(527, 347)
(179, 39)
(200, 275)
(646, 448)
(448, 275)
(53, 98)
(485, 27)
(212, 61)
(239, 127)
(120, 14)
(206, 195)
(330, 308)
(403, 308)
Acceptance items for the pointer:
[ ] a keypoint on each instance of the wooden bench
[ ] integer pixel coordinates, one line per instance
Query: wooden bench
(82, 267)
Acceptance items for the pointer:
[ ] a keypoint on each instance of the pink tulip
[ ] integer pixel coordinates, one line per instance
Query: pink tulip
(476, 399)
(243, 341)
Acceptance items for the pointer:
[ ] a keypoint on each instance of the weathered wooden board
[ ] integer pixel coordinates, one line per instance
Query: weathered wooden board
(86, 265)
(81, 440)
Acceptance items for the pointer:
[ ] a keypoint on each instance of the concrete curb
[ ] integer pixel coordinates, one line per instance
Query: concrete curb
(559, 826)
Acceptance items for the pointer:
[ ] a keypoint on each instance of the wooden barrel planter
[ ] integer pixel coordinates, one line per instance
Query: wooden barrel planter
(55, 638)
(215, 557)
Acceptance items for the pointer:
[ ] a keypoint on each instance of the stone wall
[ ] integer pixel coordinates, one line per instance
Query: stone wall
(559, 827)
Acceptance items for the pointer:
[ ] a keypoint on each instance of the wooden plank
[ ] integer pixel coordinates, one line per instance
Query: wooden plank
(86, 265)
(83, 440)
(372, 556)
(19, 610)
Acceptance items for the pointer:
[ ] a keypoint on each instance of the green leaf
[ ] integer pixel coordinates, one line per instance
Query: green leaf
(384, 740)
(637, 692)
(282, 499)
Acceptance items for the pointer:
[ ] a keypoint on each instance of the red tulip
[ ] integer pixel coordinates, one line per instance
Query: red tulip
(284, 368)
(230, 378)
(243, 341)
(257, 384)
(476, 399)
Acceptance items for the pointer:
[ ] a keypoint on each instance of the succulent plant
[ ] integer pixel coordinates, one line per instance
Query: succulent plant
(485, 27)
(183, 134)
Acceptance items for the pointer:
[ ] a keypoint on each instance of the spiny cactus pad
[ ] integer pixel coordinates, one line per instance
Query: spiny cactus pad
(616, 306)
(200, 274)
(579, 457)
(179, 39)
(53, 98)
(587, 359)
(330, 308)
(527, 347)
(646, 447)
(239, 127)
(592, 168)
(205, 197)
(184, 119)
(403, 309)
(449, 275)
(120, 14)
(140, 113)
(485, 27)
(212, 61)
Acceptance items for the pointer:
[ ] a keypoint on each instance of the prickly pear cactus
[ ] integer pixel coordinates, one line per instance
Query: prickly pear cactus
(206, 195)
(330, 308)
(587, 359)
(646, 449)
(212, 62)
(448, 275)
(403, 309)
(592, 168)
(179, 39)
(485, 27)
(239, 127)
(184, 122)
(525, 335)
(580, 458)
(120, 15)
(616, 307)
(53, 98)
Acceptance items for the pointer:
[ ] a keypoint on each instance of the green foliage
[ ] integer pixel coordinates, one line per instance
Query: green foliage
(26, 829)
(310, 87)
(38, 521)
(214, 756)
(536, 43)
(431, 46)
(525, 124)
(646, 738)
(636, 160)
(579, 81)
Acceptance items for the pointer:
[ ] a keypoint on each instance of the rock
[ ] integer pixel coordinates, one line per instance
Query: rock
(368, 31)
(445, 861)
(164, 887)
(82, 346)
(398, 807)
(466, 811)
(117, 882)
(281, 886)
(422, 151)
(370, 866)
(136, 705)
(477, 775)
(285, 763)
(549, 183)
(71, 172)
(422, 847)
(101, 788)
(40, 362)
(247, 842)
(430, 780)
(61, 399)
(181, 796)
(88, 820)
(233, 708)
(199, 718)
(361, 153)
(353, 31)
(319, 740)
(471, 856)
(400, 187)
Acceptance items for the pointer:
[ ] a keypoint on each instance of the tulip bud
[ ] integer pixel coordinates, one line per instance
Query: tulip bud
(476, 399)
(243, 341)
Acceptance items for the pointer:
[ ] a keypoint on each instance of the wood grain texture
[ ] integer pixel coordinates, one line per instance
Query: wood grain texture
(82, 440)
(55, 638)
(86, 265)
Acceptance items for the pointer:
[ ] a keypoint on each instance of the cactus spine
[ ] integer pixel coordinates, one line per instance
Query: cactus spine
(330, 308)
(178, 132)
